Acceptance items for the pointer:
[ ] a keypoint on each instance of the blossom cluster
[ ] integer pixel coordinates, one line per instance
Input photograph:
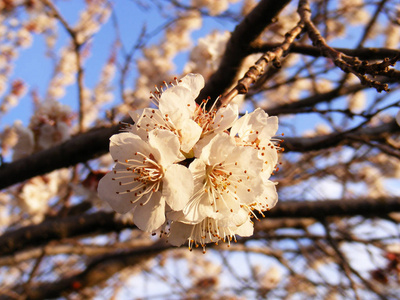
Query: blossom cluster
(50, 125)
(203, 173)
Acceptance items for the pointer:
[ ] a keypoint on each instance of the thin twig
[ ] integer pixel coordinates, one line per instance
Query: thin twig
(259, 67)
(347, 63)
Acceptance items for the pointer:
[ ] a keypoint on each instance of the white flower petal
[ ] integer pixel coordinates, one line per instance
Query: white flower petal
(107, 190)
(167, 144)
(239, 218)
(177, 103)
(194, 82)
(151, 216)
(270, 158)
(179, 233)
(225, 117)
(135, 115)
(204, 141)
(269, 196)
(189, 132)
(240, 126)
(146, 120)
(177, 186)
(218, 149)
(250, 190)
(247, 159)
(256, 125)
(246, 229)
(124, 145)
(198, 208)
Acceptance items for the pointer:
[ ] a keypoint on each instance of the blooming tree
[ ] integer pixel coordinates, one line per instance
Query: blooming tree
(261, 135)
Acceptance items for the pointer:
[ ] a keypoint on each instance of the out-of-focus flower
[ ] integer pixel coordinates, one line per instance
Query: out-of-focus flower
(214, 7)
(270, 278)
(206, 56)
(51, 123)
(35, 195)
(25, 143)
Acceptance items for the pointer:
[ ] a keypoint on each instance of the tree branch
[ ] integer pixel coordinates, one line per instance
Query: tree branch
(96, 272)
(362, 53)
(78, 149)
(94, 143)
(40, 234)
(238, 46)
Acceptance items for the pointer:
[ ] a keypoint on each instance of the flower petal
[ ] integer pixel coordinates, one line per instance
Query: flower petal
(107, 190)
(177, 186)
(124, 146)
(179, 233)
(218, 149)
(246, 158)
(193, 82)
(151, 216)
(246, 229)
(269, 197)
(189, 132)
(225, 117)
(145, 120)
(167, 144)
(177, 103)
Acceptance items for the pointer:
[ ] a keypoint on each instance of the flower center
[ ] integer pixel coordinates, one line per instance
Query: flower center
(218, 177)
(222, 183)
(143, 174)
(203, 118)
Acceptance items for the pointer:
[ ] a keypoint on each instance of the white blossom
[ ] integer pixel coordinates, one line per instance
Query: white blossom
(225, 177)
(25, 143)
(257, 130)
(200, 170)
(211, 230)
(179, 113)
(145, 178)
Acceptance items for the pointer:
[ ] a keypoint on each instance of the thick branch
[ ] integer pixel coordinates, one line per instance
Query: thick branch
(102, 222)
(329, 208)
(57, 229)
(238, 46)
(94, 143)
(311, 101)
(78, 149)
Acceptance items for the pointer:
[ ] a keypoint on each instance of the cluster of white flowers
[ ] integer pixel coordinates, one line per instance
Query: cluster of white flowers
(34, 196)
(65, 73)
(206, 56)
(91, 18)
(202, 173)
